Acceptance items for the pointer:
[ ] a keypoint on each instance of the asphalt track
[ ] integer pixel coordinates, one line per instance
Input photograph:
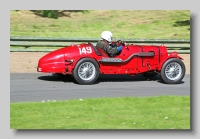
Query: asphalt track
(27, 87)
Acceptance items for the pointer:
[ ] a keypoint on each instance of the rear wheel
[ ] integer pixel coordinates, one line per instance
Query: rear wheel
(173, 71)
(86, 71)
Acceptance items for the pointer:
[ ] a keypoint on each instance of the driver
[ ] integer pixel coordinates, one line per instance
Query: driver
(106, 45)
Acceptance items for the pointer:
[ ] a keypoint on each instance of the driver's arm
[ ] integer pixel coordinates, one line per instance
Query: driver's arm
(119, 48)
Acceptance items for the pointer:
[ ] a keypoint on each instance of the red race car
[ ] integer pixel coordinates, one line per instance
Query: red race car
(85, 62)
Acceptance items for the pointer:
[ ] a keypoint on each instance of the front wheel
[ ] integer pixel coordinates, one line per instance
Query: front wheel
(173, 71)
(86, 71)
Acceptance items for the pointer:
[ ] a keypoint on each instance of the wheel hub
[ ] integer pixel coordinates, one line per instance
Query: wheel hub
(86, 71)
(171, 70)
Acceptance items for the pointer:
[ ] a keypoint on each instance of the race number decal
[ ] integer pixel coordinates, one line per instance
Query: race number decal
(85, 50)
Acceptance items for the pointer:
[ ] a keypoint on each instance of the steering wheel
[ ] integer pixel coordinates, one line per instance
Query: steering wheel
(119, 42)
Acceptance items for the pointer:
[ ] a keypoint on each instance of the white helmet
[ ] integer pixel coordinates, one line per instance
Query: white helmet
(107, 35)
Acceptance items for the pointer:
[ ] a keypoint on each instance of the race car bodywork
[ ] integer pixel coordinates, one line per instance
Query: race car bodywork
(85, 62)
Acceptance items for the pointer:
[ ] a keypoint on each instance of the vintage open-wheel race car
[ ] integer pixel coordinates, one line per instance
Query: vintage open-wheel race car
(85, 62)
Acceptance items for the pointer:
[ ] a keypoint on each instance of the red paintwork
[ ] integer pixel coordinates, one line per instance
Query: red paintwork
(54, 62)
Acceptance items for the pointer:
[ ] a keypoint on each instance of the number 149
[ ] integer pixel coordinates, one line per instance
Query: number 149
(85, 50)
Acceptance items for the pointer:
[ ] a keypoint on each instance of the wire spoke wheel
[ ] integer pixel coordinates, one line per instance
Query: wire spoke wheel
(173, 71)
(86, 71)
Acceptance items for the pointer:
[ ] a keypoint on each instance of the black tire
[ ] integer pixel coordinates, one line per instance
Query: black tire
(179, 65)
(150, 74)
(94, 71)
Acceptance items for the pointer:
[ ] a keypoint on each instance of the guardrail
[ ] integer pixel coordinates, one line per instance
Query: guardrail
(47, 44)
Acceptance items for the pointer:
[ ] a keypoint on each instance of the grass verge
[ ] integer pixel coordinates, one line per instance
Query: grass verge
(163, 112)
(157, 24)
